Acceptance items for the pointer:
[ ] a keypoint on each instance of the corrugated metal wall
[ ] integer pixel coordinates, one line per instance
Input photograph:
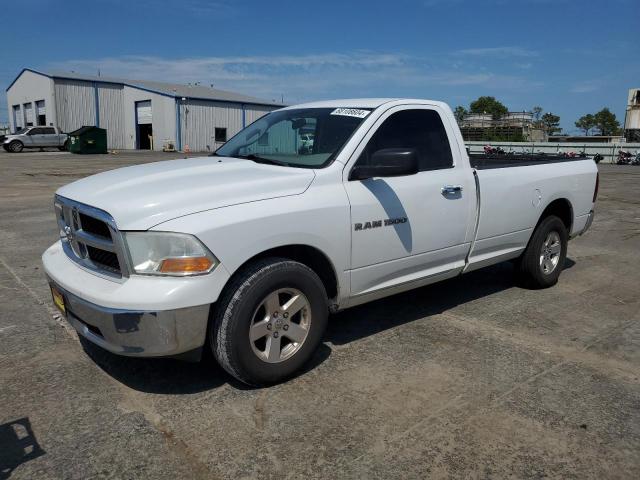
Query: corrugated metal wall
(111, 100)
(199, 119)
(282, 138)
(254, 112)
(75, 104)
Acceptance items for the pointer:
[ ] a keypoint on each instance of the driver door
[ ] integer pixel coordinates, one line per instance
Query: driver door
(409, 228)
(29, 139)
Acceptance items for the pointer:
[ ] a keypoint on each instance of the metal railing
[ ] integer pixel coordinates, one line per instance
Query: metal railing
(608, 150)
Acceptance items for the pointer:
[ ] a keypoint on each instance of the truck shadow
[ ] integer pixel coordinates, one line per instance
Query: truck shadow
(375, 317)
(175, 377)
(393, 208)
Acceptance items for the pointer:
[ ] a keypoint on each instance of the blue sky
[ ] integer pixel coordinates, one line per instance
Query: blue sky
(570, 57)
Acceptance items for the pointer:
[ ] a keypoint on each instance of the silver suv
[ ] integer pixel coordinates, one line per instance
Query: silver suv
(35, 137)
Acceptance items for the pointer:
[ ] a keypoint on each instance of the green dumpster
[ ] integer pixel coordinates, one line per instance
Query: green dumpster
(88, 139)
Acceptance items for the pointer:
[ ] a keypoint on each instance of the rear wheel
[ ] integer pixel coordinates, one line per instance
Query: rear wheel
(543, 260)
(15, 146)
(269, 321)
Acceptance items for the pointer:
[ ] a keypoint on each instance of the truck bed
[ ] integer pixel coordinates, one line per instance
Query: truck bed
(482, 161)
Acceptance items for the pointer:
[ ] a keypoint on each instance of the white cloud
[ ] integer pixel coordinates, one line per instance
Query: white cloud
(585, 87)
(509, 51)
(306, 77)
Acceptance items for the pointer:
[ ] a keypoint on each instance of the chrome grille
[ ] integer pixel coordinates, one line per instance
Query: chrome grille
(90, 238)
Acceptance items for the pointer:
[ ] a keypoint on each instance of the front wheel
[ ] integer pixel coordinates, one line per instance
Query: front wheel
(15, 147)
(64, 147)
(543, 260)
(269, 321)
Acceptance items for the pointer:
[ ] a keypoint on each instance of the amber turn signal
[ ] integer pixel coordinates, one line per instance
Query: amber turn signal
(186, 265)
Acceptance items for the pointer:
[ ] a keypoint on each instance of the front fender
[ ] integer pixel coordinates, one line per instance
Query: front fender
(319, 218)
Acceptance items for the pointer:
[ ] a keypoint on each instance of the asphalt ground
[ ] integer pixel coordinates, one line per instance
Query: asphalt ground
(474, 377)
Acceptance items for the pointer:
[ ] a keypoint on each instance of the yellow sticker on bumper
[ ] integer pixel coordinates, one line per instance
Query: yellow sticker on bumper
(58, 299)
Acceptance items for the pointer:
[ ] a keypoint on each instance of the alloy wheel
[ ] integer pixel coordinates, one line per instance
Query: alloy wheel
(550, 254)
(280, 325)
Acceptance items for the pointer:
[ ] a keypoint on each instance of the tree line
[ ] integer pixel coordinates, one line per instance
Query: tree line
(604, 121)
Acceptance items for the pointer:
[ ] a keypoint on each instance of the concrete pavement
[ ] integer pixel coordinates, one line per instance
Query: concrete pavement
(474, 377)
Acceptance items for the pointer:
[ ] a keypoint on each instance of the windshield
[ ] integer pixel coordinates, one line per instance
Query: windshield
(21, 131)
(305, 137)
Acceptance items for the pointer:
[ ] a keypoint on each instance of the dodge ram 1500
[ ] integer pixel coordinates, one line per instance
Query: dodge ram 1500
(247, 251)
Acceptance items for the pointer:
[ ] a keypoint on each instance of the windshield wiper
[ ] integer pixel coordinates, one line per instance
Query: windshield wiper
(257, 159)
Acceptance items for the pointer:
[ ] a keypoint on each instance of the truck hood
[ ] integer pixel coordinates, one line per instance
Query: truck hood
(142, 196)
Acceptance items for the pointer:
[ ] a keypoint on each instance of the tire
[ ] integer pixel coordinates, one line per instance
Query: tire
(543, 260)
(64, 147)
(262, 359)
(15, 146)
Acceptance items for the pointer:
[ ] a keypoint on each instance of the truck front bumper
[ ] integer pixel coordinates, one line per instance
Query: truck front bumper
(141, 316)
(139, 333)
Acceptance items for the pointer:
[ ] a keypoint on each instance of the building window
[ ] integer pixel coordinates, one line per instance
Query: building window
(221, 135)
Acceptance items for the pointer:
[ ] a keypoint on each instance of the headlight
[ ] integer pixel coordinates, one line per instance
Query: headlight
(165, 253)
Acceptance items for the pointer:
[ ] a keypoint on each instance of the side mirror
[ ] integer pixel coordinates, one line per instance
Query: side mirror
(388, 162)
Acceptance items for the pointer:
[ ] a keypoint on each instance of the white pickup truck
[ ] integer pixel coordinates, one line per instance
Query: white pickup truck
(246, 252)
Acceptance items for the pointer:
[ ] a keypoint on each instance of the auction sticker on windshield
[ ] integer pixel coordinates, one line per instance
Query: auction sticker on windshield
(351, 112)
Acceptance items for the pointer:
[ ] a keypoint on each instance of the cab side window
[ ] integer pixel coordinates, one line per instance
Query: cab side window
(419, 129)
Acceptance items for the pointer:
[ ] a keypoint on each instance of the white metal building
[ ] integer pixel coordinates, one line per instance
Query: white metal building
(137, 114)
(632, 116)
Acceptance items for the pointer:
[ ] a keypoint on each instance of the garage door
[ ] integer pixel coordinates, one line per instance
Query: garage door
(41, 112)
(17, 118)
(28, 114)
(143, 112)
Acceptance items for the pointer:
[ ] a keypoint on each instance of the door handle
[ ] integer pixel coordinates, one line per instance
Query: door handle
(451, 189)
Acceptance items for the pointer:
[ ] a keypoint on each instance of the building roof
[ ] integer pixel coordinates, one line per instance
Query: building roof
(176, 90)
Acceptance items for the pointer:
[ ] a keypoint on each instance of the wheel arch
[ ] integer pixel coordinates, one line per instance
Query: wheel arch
(310, 256)
(14, 141)
(561, 208)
